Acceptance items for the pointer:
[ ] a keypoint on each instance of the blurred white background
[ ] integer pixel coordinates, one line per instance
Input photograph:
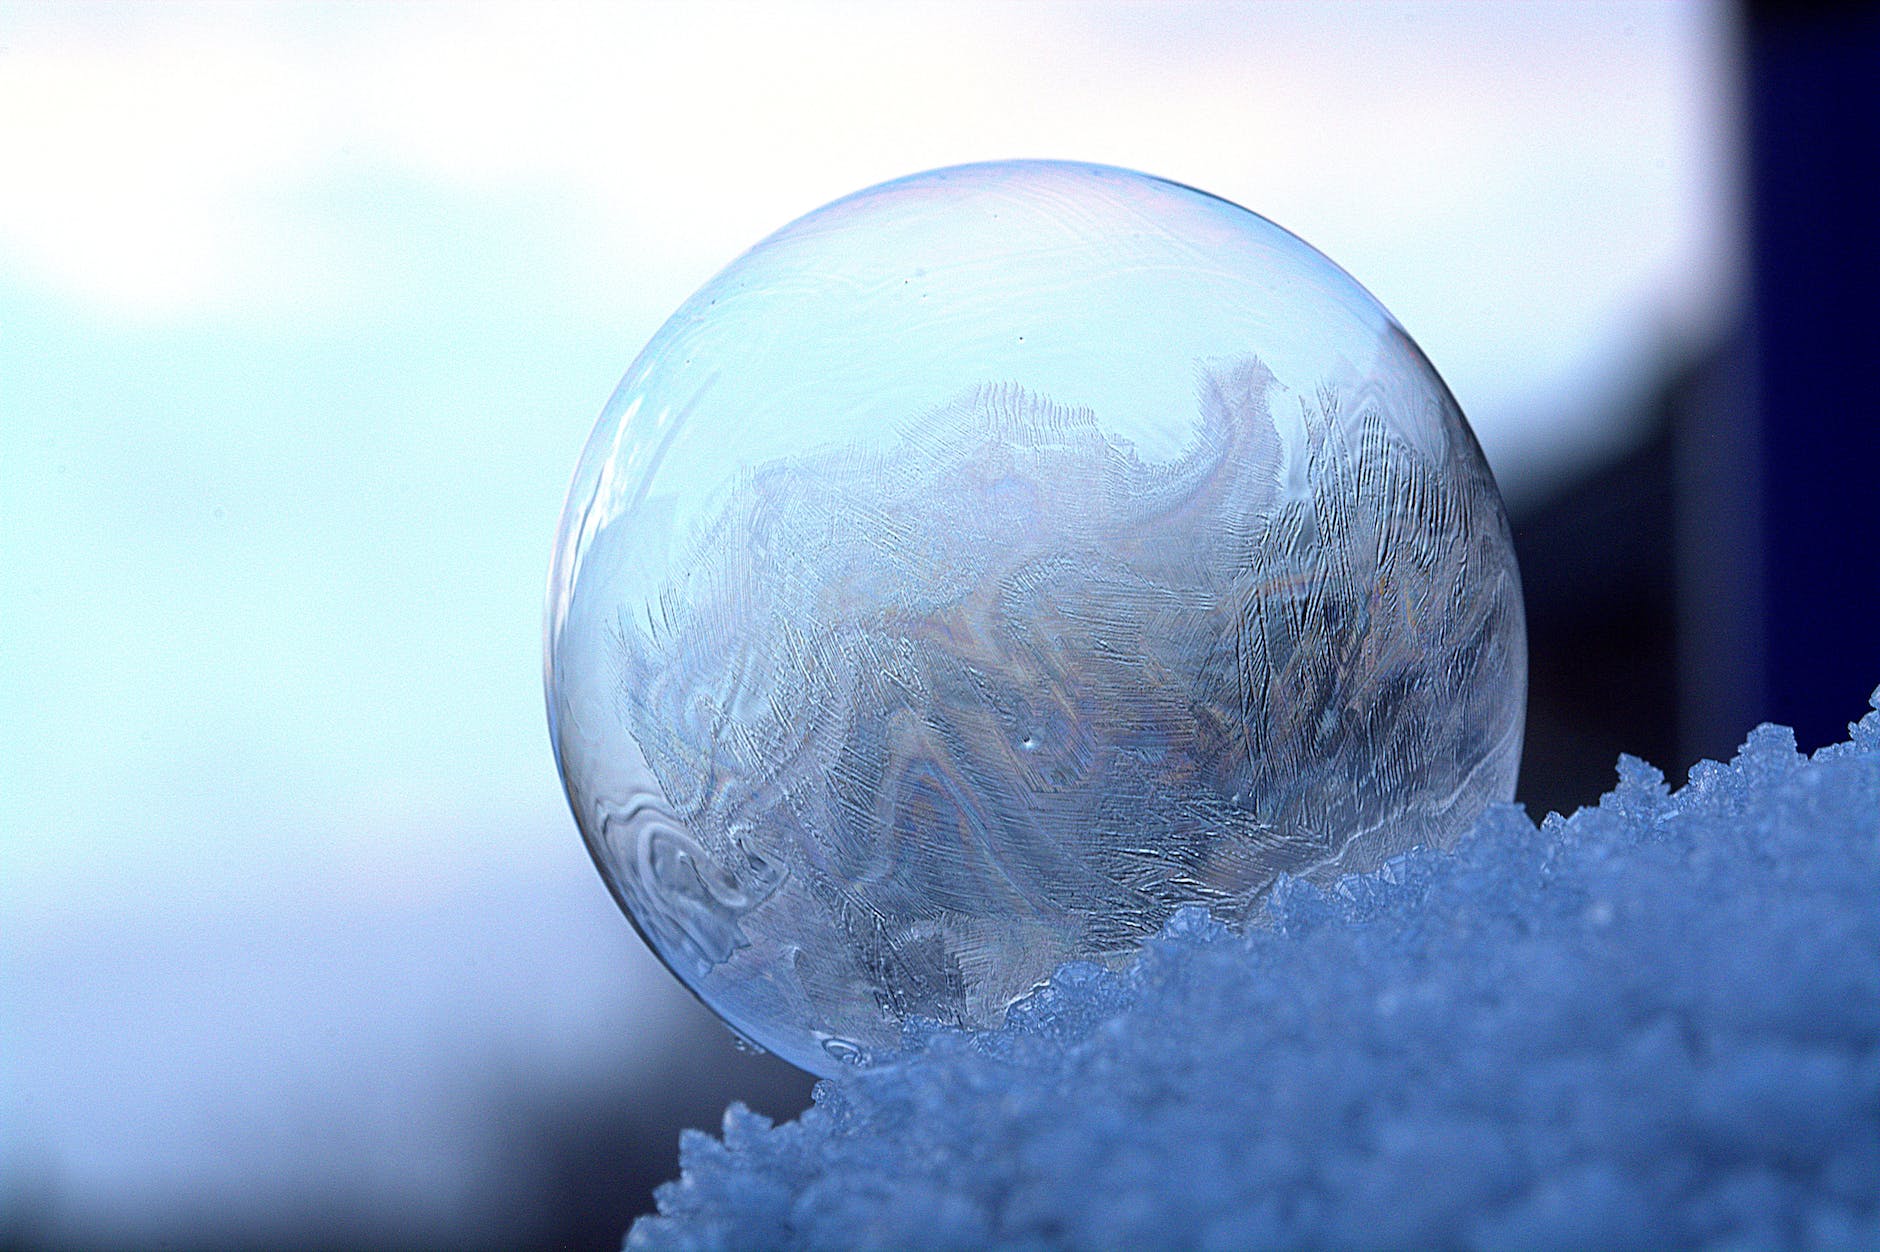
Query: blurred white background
(304, 314)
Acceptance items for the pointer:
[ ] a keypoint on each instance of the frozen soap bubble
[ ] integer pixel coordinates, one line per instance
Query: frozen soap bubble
(988, 564)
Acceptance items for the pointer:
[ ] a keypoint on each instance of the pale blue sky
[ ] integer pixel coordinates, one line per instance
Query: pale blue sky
(305, 313)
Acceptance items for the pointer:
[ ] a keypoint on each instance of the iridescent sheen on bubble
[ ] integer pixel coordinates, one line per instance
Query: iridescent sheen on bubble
(988, 564)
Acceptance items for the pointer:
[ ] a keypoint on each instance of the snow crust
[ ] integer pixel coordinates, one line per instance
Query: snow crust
(1655, 1023)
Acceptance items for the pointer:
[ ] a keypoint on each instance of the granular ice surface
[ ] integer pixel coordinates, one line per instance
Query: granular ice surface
(1655, 1023)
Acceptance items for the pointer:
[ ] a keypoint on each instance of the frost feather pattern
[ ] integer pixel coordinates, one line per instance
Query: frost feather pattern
(999, 694)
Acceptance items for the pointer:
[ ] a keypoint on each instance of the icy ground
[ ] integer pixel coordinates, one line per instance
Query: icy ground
(1656, 1023)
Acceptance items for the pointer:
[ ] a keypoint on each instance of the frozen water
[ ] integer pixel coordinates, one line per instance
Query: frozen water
(991, 563)
(1654, 1024)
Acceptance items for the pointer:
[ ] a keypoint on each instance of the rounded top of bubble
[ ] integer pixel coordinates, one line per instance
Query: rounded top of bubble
(994, 560)
(1093, 285)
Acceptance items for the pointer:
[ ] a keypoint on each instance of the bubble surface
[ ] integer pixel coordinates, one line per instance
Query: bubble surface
(992, 562)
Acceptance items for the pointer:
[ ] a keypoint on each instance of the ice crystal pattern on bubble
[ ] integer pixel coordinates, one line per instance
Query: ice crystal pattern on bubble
(991, 562)
(1000, 693)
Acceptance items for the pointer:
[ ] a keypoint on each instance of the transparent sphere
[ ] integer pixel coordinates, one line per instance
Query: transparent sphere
(994, 561)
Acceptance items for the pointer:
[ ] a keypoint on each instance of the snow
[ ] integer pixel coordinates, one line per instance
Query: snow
(1655, 1023)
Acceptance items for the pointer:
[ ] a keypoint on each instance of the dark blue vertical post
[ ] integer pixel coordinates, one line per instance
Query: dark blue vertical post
(1814, 119)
